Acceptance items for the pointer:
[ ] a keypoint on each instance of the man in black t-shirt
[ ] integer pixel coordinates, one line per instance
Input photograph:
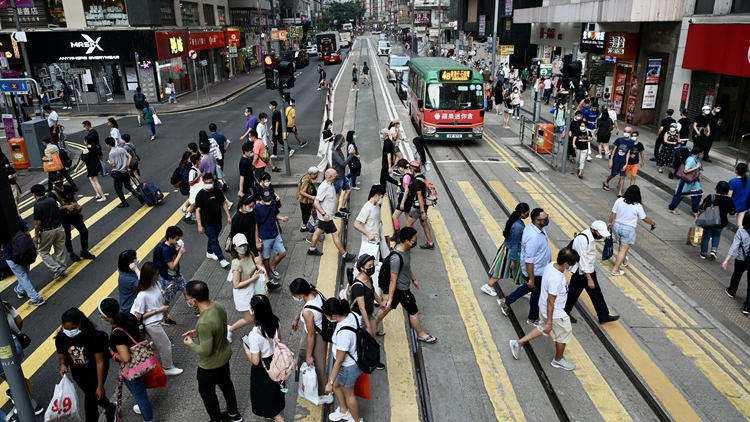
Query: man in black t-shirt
(65, 197)
(419, 209)
(663, 129)
(48, 232)
(684, 126)
(389, 159)
(355, 77)
(244, 222)
(209, 203)
(275, 128)
(701, 128)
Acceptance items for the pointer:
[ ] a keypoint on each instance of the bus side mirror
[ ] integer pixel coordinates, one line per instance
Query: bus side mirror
(420, 104)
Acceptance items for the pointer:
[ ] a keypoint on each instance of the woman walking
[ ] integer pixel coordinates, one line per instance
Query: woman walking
(83, 348)
(267, 399)
(172, 92)
(306, 192)
(515, 100)
(363, 296)
(507, 109)
(312, 346)
(689, 189)
(91, 156)
(671, 140)
(355, 167)
(507, 263)
(739, 249)
(114, 131)
(245, 282)
(345, 371)
(148, 113)
(739, 190)
(623, 220)
(726, 208)
(151, 307)
(66, 93)
(125, 334)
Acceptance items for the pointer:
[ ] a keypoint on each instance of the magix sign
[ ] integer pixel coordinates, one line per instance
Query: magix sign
(89, 43)
(88, 46)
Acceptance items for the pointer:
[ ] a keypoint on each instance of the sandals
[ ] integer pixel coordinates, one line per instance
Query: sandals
(660, 171)
(429, 340)
(605, 186)
(673, 212)
(621, 272)
(380, 333)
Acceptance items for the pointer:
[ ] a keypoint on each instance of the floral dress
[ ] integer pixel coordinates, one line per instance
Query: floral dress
(667, 149)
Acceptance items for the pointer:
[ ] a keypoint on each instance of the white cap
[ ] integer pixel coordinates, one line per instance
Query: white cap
(601, 227)
(239, 239)
(706, 107)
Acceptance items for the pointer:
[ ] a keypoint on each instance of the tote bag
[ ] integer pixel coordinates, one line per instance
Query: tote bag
(54, 165)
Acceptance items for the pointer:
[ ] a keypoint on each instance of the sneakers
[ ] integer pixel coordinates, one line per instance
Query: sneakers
(599, 156)
(37, 302)
(39, 409)
(562, 364)
(314, 252)
(727, 292)
(274, 273)
(344, 211)
(703, 256)
(488, 290)
(273, 155)
(59, 273)
(276, 169)
(746, 311)
(188, 220)
(212, 256)
(503, 307)
(167, 321)
(339, 214)
(303, 144)
(380, 366)
(137, 409)
(272, 285)
(515, 349)
(291, 153)
(621, 272)
(173, 371)
(229, 334)
(712, 254)
(394, 238)
(224, 263)
(235, 418)
(87, 255)
(75, 257)
(588, 158)
(427, 245)
(337, 415)
(532, 322)
(356, 187)
(22, 295)
(327, 399)
(348, 257)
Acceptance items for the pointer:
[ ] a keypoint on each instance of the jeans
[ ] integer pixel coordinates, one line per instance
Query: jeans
(24, 284)
(124, 180)
(353, 177)
(213, 241)
(208, 380)
(76, 221)
(524, 289)
(151, 128)
(173, 96)
(138, 390)
(546, 94)
(45, 100)
(578, 282)
(88, 381)
(677, 198)
(517, 110)
(713, 233)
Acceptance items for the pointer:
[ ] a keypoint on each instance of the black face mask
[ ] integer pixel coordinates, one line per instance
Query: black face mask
(59, 184)
(370, 271)
(597, 236)
(414, 245)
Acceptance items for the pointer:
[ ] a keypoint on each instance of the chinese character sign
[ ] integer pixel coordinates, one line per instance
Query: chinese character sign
(455, 75)
(616, 45)
(421, 17)
(482, 25)
(175, 45)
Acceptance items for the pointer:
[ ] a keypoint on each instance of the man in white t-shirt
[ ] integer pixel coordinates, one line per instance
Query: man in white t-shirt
(368, 221)
(325, 205)
(552, 316)
(54, 128)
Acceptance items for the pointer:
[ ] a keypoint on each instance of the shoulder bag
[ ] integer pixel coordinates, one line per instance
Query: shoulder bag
(77, 208)
(23, 339)
(142, 359)
(711, 216)
(53, 165)
(689, 177)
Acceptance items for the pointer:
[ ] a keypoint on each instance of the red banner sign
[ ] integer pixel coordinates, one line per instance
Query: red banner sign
(233, 38)
(170, 45)
(206, 40)
(729, 56)
(685, 90)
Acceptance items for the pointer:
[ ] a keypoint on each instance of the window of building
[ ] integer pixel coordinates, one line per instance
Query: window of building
(706, 7)
(208, 15)
(739, 6)
(104, 13)
(190, 15)
(222, 15)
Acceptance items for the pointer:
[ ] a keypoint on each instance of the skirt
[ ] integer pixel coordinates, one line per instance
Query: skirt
(665, 155)
(266, 396)
(500, 267)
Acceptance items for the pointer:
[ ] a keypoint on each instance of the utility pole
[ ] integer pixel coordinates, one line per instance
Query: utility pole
(34, 98)
(495, 37)
(568, 110)
(440, 26)
(413, 34)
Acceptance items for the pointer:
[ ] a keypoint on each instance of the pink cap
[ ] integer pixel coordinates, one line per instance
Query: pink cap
(415, 164)
(629, 129)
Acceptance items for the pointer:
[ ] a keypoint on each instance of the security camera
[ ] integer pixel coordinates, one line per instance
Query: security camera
(690, 21)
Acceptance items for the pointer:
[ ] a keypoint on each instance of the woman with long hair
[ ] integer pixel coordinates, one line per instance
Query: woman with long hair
(507, 263)
(312, 346)
(91, 156)
(127, 281)
(245, 285)
(355, 167)
(507, 108)
(739, 190)
(83, 348)
(690, 189)
(726, 208)
(622, 223)
(114, 131)
(172, 92)
(739, 249)
(265, 394)
(345, 371)
(152, 308)
(125, 334)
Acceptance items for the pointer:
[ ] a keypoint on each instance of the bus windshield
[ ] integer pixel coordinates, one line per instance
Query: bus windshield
(452, 96)
(398, 61)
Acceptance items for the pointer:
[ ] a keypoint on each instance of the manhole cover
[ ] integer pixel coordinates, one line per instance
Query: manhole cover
(524, 169)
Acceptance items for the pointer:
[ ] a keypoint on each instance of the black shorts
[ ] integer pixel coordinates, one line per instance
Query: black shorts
(407, 203)
(355, 80)
(406, 299)
(327, 226)
(292, 129)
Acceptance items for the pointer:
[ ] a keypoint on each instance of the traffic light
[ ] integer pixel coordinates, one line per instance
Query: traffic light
(270, 64)
(286, 75)
(572, 75)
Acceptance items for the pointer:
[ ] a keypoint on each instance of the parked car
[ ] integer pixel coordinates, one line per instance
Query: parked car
(383, 37)
(384, 48)
(397, 63)
(312, 50)
(402, 85)
(332, 57)
(299, 57)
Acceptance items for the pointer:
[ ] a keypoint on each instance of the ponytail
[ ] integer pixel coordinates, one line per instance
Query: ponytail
(521, 209)
(741, 170)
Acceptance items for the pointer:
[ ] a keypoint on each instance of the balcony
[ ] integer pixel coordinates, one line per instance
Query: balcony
(557, 11)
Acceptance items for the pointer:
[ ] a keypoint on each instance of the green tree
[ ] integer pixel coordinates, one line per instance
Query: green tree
(343, 12)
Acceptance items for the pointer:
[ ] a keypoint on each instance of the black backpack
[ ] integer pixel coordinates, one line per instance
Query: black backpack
(22, 249)
(384, 276)
(185, 181)
(570, 245)
(176, 178)
(368, 350)
(139, 98)
(65, 158)
(328, 326)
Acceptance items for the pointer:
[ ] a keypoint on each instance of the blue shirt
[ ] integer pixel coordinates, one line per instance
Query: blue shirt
(535, 250)
(126, 285)
(265, 217)
(514, 241)
(739, 193)
(622, 148)
(252, 123)
(168, 254)
(7, 248)
(221, 140)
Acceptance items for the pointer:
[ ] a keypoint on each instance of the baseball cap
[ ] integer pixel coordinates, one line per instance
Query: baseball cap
(415, 164)
(601, 227)
(239, 239)
(265, 195)
(396, 121)
(706, 107)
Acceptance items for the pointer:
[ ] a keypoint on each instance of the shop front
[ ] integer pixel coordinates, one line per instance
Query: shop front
(720, 76)
(250, 48)
(111, 61)
(554, 40)
(172, 64)
(214, 66)
(611, 58)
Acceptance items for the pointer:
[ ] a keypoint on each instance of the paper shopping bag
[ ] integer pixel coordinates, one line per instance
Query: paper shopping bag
(695, 236)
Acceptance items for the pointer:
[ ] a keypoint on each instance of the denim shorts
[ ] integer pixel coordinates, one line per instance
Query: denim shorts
(348, 375)
(618, 169)
(559, 129)
(275, 244)
(624, 233)
(338, 184)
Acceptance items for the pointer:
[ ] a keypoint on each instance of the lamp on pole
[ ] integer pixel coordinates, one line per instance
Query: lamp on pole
(495, 37)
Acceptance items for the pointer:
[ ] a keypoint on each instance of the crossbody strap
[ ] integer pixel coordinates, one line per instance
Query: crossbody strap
(135, 343)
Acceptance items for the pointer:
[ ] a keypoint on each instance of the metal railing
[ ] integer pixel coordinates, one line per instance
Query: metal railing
(537, 138)
(739, 150)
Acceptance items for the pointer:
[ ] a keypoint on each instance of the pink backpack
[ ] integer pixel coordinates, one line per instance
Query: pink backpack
(282, 364)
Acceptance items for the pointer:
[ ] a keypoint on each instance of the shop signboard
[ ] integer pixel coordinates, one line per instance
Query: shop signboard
(77, 46)
(9, 124)
(718, 48)
(622, 46)
(207, 40)
(685, 91)
(653, 70)
(618, 103)
(630, 111)
(507, 49)
(233, 37)
(31, 14)
(593, 42)
(508, 7)
(649, 97)
(421, 17)
(555, 34)
(482, 25)
(171, 45)
(545, 70)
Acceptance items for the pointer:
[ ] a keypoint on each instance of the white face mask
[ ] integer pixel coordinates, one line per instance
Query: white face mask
(266, 203)
(270, 107)
(673, 129)
(380, 201)
(242, 249)
(583, 128)
(634, 138)
(208, 186)
(266, 184)
(72, 333)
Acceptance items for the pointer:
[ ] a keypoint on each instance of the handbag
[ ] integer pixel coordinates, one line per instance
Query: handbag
(695, 236)
(23, 339)
(157, 120)
(711, 216)
(228, 243)
(168, 91)
(689, 177)
(142, 359)
(77, 208)
(54, 165)
(608, 249)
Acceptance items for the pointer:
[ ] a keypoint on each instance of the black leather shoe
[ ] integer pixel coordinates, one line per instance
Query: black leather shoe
(608, 318)
(572, 319)
(123, 205)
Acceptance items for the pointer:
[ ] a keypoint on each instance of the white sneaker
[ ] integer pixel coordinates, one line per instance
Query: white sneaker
(212, 256)
(137, 409)
(356, 188)
(173, 371)
(515, 349)
(352, 91)
(291, 152)
(224, 263)
(273, 156)
(588, 158)
(527, 296)
(327, 399)
(599, 156)
(229, 334)
(563, 364)
(338, 416)
(489, 290)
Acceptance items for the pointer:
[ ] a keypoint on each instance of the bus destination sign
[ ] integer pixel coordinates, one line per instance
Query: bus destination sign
(455, 75)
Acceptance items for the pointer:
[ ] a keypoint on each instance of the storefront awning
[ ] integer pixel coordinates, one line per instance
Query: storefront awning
(721, 49)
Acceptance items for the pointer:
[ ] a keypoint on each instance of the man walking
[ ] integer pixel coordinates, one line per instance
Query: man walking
(267, 232)
(259, 166)
(701, 127)
(535, 255)
(584, 272)
(247, 170)
(715, 121)
(663, 129)
(355, 77)
(419, 209)
(213, 350)
(119, 160)
(140, 103)
(224, 143)
(209, 203)
(71, 214)
(48, 232)
(554, 294)
(291, 125)
(368, 220)
(618, 161)
(341, 183)
(276, 137)
(252, 123)
(366, 73)
(24, 288)
(389, 159)
(547, 90)
(401, 280)
(325, 205)
(52, 123)
(321, 77)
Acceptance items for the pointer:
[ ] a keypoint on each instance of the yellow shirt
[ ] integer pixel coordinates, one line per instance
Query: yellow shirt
(291, 114)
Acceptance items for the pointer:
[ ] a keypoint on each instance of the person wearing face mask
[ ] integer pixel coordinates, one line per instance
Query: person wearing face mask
(246, 282)
(661, 135)
(355, 77)
(276, 138)
(127, 280)
(535, 255)
(636, 158)
(690, 189)
(265, 183)
(83, 348)
(252, 123)
(363, 297)
(355, 167)
(247, 171)
(263, 135)
(291, 125)
(389, 159)
(71, 215)
(623, 220)
(306, 192)
(312, 346)
(702, 127)
(345, 371)
(368, 220)
(552, 299)
(618, 161)
(266, 230)
(671, 140)
(575, 128)
(582, 142)
(584, 272)
(243, 222)
(167, 256)
(507, 263)
(321, 77)
(516, 99)
(209, 203)
(325, 205)
(715, 120)
(341, 183)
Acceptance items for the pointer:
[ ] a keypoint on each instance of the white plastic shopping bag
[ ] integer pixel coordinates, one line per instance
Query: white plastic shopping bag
(64, 404)
(157, 120)
(308, 384)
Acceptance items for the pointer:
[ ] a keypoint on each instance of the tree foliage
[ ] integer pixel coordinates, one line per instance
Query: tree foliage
(343, 12)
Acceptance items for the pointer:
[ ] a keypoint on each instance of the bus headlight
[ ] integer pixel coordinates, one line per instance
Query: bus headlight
(430, 129)
(478, 129)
